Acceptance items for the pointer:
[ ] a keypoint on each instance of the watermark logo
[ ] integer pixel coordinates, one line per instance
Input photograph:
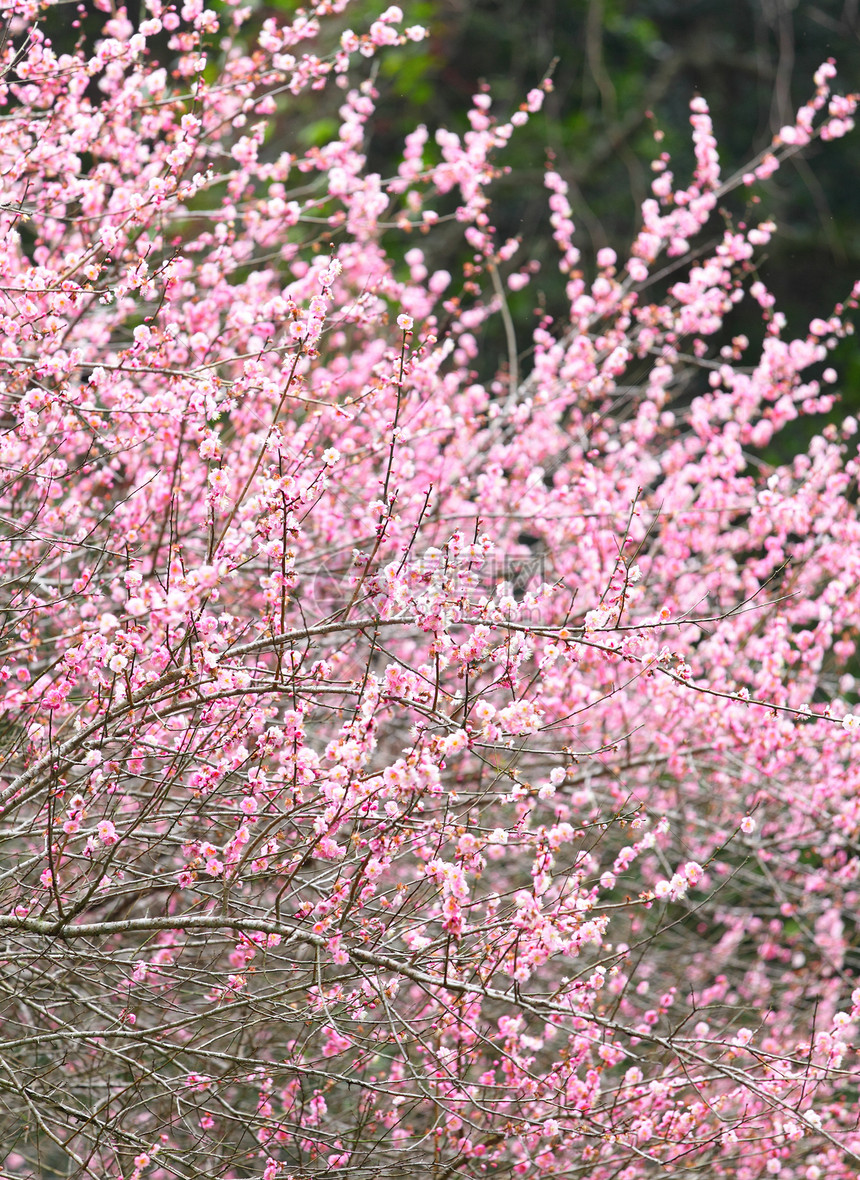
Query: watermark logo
(332, 586)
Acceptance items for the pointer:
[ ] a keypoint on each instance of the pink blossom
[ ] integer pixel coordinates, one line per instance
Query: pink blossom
(437, 701)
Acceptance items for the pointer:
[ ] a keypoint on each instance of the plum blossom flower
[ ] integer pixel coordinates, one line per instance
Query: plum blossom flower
(107, 832)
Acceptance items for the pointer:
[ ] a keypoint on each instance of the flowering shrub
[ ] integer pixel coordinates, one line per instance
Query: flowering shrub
(405, 774)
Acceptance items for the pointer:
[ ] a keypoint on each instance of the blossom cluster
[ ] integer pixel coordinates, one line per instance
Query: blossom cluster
(428, 871)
